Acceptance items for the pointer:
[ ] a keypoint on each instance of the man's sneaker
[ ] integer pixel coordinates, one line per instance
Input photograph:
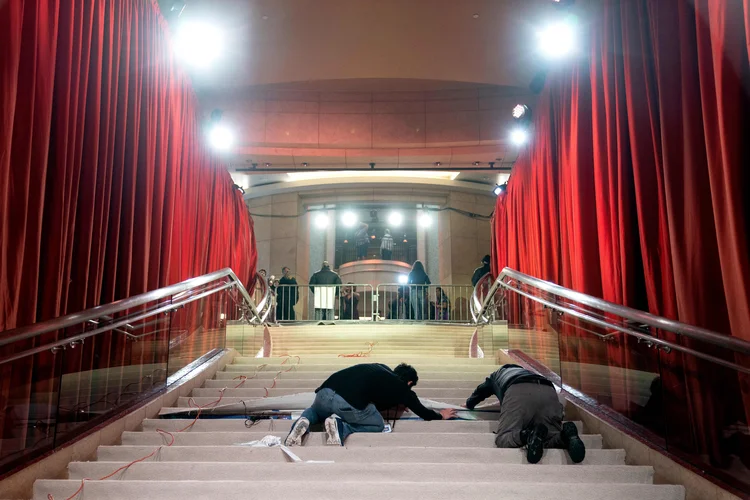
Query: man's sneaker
(333, 437)
(299, 429)
(535, 443)
(573, 442)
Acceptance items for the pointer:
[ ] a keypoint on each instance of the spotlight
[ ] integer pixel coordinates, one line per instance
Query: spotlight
(405, 240)
(395, 219)
(437, 163)
(220, 137)
(346, 241)
(499, 189)
(557, 40)
(403, 279)
(268, 164)
(519, 136)
(321, 221)
(349, 219)
(425, 220)
(305, 164)
(198, 44)
(476, 163)
(519, 111)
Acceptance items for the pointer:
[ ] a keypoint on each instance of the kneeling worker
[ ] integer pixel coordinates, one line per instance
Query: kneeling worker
(530, 413)
(351, 400)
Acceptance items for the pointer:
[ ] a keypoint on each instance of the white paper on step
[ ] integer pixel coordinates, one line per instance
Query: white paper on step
(275, 442)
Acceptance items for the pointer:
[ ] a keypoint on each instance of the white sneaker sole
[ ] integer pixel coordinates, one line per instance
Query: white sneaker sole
(332, 432)
(298, 431)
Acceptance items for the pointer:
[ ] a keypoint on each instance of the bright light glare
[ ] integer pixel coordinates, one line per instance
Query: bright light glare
(425, 220)
(519, 136)
(518, 111)
(395, 219)
(349, 219)
(321, 221)
(402, 278)
(557, 40)
(221, 137)
(198, 44)
(389, 174)
(499, 189)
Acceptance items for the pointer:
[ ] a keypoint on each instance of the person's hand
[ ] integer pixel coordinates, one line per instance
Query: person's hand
(448, 414)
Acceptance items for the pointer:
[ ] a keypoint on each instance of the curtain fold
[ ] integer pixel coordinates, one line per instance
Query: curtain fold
(643, 146)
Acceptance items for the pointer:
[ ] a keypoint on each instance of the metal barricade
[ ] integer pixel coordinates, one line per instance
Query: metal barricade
(438, 303)
(346, 302)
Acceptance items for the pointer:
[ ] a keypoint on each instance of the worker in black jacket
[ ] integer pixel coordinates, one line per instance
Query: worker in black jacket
(530, 413)
(351, 400)
(322, 285)
(481, 270)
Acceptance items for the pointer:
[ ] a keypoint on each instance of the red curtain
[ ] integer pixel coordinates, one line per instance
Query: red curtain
(635, 186)
(107, 188)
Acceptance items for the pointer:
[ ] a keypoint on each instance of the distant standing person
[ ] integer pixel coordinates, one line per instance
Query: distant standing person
(287, 296)
(323, 285)
(419, 282)
(362, 240)
(481, 270)
(349, 303)
(386, 246)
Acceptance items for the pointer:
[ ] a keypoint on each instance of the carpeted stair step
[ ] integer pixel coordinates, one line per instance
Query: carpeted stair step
(433, 440)
(384, 472)
(396, 454)
(341, 489)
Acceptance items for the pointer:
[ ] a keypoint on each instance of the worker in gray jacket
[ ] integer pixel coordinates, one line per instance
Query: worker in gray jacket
(530, 413)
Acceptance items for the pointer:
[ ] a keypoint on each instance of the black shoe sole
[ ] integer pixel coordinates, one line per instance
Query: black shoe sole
(535, 445)
(576, 450)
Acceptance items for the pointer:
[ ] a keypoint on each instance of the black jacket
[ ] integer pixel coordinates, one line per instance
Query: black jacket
(499, 382)
(478, 273)
(325, 277)
(375, 383)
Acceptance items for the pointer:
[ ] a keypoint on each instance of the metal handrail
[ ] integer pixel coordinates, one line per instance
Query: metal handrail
(633, 315)
(108, 311)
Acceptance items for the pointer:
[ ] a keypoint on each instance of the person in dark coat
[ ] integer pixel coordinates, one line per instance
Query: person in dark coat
(530, 413)
(418, 292)
(481, 270)
(287, 296)
(349, 303)
(322, 284)
(351, 400)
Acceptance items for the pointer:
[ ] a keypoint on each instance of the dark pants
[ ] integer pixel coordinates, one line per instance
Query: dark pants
(328, 403)
(362, 250)
(526, 405)
(386, 254)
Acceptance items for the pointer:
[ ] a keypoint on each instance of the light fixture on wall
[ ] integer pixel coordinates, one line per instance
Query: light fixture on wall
(349, 219)
(425, 219)
(520, 111)
(321, 221)
(499, 189)
(405, 240)
(395, 219)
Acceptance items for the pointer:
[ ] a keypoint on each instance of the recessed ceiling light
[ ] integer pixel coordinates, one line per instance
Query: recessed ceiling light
(475, 16)
(265, 18)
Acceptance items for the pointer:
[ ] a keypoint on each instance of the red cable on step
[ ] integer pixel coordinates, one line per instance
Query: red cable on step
(160, 431)
(360, 354)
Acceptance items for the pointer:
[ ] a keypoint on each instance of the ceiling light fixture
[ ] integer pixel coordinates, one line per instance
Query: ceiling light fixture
(198, 44)
(499, 189)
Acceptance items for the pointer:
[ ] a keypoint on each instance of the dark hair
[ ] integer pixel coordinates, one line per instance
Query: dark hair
(285, 267)
(407, 373)
(418, 267)
(486, 259)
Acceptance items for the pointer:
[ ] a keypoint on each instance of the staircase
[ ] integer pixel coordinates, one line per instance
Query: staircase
(417, 460)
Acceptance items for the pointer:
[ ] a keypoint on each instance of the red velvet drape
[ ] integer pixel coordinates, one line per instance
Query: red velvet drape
(635, 186)
(107, 188)
(106, 185)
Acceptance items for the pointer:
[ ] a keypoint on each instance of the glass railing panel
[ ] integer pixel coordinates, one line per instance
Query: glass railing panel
(113, 369)
(28, 401)
(707, 408)
(615, 370)
(197, 328)
(530, 330)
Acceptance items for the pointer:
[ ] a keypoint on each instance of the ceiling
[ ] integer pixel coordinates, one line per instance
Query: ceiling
(304, 42)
